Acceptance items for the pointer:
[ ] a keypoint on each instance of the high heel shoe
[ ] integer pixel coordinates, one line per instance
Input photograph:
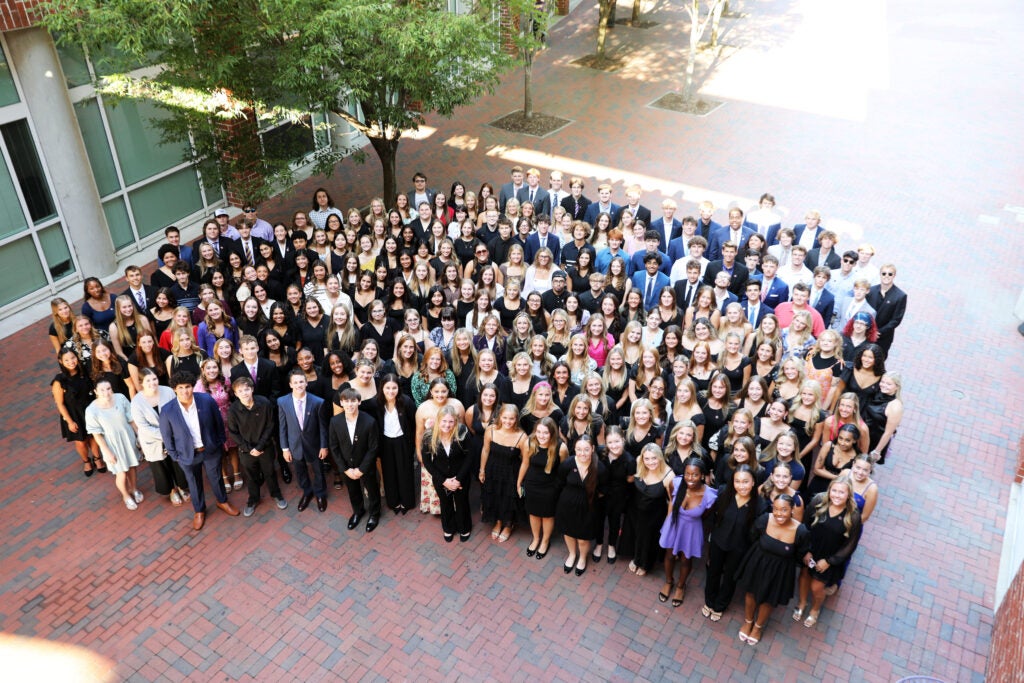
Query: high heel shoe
(568, 567)
(541, 554)
(100, 465)
(663, 597)
(751, 640)
(743, 636)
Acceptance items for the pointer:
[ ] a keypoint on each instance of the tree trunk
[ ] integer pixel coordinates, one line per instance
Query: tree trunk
(636, 12)
(606, 10)
(692, 56)
(387, 152)
(716, 14)
(528, 89)
(611, 14)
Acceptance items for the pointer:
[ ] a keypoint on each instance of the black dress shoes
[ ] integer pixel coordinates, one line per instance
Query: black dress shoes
(321, 504)
(371, 523)
(304, 501)
(353, 521)
(286, 474)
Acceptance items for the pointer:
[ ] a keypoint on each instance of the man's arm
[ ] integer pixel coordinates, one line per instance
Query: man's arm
(371, 443)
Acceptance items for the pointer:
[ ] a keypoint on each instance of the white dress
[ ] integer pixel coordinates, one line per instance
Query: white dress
(114, 424)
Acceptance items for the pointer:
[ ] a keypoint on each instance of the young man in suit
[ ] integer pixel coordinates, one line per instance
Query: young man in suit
(173, 235)
(534, 193)
(734, 232)
(668, 227)
(723, 297)
(511, 189)
(738, 274)
(825, 254)
(686, 288)
(773, 290)
(193, 433)
(764, 219)
(541, 239)
(555, 191)
(250, 424)
(651, 241)
(353, 444)
(650, 280)
(604, 204)
(248, 245)
(752, 306)
(576, 204)
(679, 247)
(821, 299)
(303, 435)
(806, 234)
(639, 211)
(142, 295)
(262, 372)
(222, 246)
(890, 304)
(420, 192)
(705, 224)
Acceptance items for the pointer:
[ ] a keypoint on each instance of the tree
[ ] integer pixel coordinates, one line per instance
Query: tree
(380, 66)
(530, 20)
(697, 28)
(605, 21)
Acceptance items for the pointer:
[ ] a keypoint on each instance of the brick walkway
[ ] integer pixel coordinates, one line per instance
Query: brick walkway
(889, 122)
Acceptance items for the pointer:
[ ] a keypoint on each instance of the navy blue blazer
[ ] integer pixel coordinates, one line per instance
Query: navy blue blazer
(675, 231)
(636, 262)
(762, 311)
(705, 231)
(777, 292)
(305, 443)
(729, 298)
(541, 199)
(594, 210)
(640, 282)
(533, 246)
(826, 306)
(178, 437)
(813, 259)
(798, 231)
(720, 237)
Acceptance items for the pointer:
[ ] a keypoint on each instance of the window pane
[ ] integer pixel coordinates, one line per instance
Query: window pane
(321, 133)
(8, 93)
(289, 139)
(34, 189)
(72, 61)
(137, 138)
(12, 218)
(20, 270)
(165, 201)
(214, 192)
(118, 222)
(96, 146)
(55, 249)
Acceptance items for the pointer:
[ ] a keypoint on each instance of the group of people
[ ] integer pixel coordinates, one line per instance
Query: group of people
(663, 389)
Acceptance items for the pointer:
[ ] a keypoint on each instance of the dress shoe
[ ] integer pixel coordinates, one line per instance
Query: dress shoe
(463, 537)
(304, 501)
(321, 503)
(353, 521)
(580, 570)
(371, 523)
(198, 520)
(286, 474)
(228, 508)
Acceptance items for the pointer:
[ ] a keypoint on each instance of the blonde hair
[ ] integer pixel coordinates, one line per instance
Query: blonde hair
(663, 467)
(435, 434)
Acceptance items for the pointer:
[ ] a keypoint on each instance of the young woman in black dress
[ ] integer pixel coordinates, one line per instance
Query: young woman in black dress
(621, 470)
(834, 461)
(538, 483)
(582, 479)
(768, 571)
(72, 393)
(504, 450)
(648, 507)
(734, 514)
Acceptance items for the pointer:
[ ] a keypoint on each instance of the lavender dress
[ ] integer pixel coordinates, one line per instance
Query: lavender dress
(687, 535)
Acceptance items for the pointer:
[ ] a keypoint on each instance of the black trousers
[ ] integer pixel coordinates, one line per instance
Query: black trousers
(398, 469)
(611, 508)
(255, 469)
(720, 583)
(167, 474)
(455, 512)
(363, 493)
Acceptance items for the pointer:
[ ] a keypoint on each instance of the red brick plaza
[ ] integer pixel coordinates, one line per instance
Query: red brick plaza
(889, 118)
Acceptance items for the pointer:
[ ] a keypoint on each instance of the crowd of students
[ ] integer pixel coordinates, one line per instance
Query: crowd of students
(663, 389)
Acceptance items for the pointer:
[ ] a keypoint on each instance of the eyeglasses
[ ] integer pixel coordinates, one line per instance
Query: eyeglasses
(481, 251)
(849, 260)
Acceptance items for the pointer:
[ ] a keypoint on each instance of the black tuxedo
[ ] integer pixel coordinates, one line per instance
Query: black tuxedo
(740, 274)
(359, 453)
(576, 208)
(265, 377)
(889, 311)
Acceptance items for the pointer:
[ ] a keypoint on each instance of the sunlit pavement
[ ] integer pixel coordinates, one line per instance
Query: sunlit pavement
(894, 119)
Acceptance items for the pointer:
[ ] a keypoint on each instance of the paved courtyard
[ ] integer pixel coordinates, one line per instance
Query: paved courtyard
(892, 118)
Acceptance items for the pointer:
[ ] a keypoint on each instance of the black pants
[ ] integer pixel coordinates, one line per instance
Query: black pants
(455, 512)
(255, 468)
(167, 474)
(397, 466)
(194, 476)
(363, 493)
(720, 583)
(611, 508)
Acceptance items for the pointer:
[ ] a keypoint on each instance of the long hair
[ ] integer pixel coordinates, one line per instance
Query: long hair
(681, 491)
(456, 355)
(654, 449)
(427, 355)
(590, 481)
(96, 367)
(815, 410)
(495, 411)
(851, 518)
(58, 324)
(554, 444)
(435, 434)
(729, 495)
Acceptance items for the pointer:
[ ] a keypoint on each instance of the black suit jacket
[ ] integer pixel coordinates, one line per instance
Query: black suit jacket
(740, 274)
(574, 209)
(362, 452)
(458, 463)
(680, 290)
(642, 214)
(265, 377)
(889, 311)
(256, 242)
(227, 245)
(150, 293)
(813, 259)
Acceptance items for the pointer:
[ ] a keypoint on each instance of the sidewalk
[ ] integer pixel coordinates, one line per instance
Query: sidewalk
(910, 146)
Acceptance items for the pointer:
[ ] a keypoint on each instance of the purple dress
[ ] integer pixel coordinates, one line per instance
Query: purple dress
(687, 535)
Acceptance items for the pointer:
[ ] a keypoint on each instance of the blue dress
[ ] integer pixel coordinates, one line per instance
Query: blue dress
(686, 536)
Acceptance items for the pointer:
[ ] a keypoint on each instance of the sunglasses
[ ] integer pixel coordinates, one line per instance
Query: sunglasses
(849, 260)
(888, 274)
(481, 251)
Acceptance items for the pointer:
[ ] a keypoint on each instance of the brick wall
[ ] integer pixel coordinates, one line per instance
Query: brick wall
(15, 14)
(1019, 478)
(1006, 659)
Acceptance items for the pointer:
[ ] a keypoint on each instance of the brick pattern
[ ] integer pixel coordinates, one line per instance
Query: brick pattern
(287, 595)
(15, 14)
(1019, 477)
(1006, 663)
(243, 132)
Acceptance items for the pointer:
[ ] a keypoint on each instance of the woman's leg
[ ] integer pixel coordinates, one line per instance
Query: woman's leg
(572, 546)
(535, 530)
(121, 481)
(749, 612)
(132, 479)
(547, 526)
(162, 476)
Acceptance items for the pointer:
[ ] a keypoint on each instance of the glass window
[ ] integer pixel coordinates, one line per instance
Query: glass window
(12, 218)
(31, 178)
(138, 139)
(20, 270)
(55, 249)
(214, 192)
(97, 146)
(8, 93)
(165, 201)
(118, 222)
(289, 139)
(73, 62)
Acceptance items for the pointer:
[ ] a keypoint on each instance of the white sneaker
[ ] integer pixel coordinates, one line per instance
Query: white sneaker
(138, 496)
(131, 504)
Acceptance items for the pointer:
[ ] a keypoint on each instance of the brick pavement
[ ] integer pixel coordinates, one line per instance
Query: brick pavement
(920, 156)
